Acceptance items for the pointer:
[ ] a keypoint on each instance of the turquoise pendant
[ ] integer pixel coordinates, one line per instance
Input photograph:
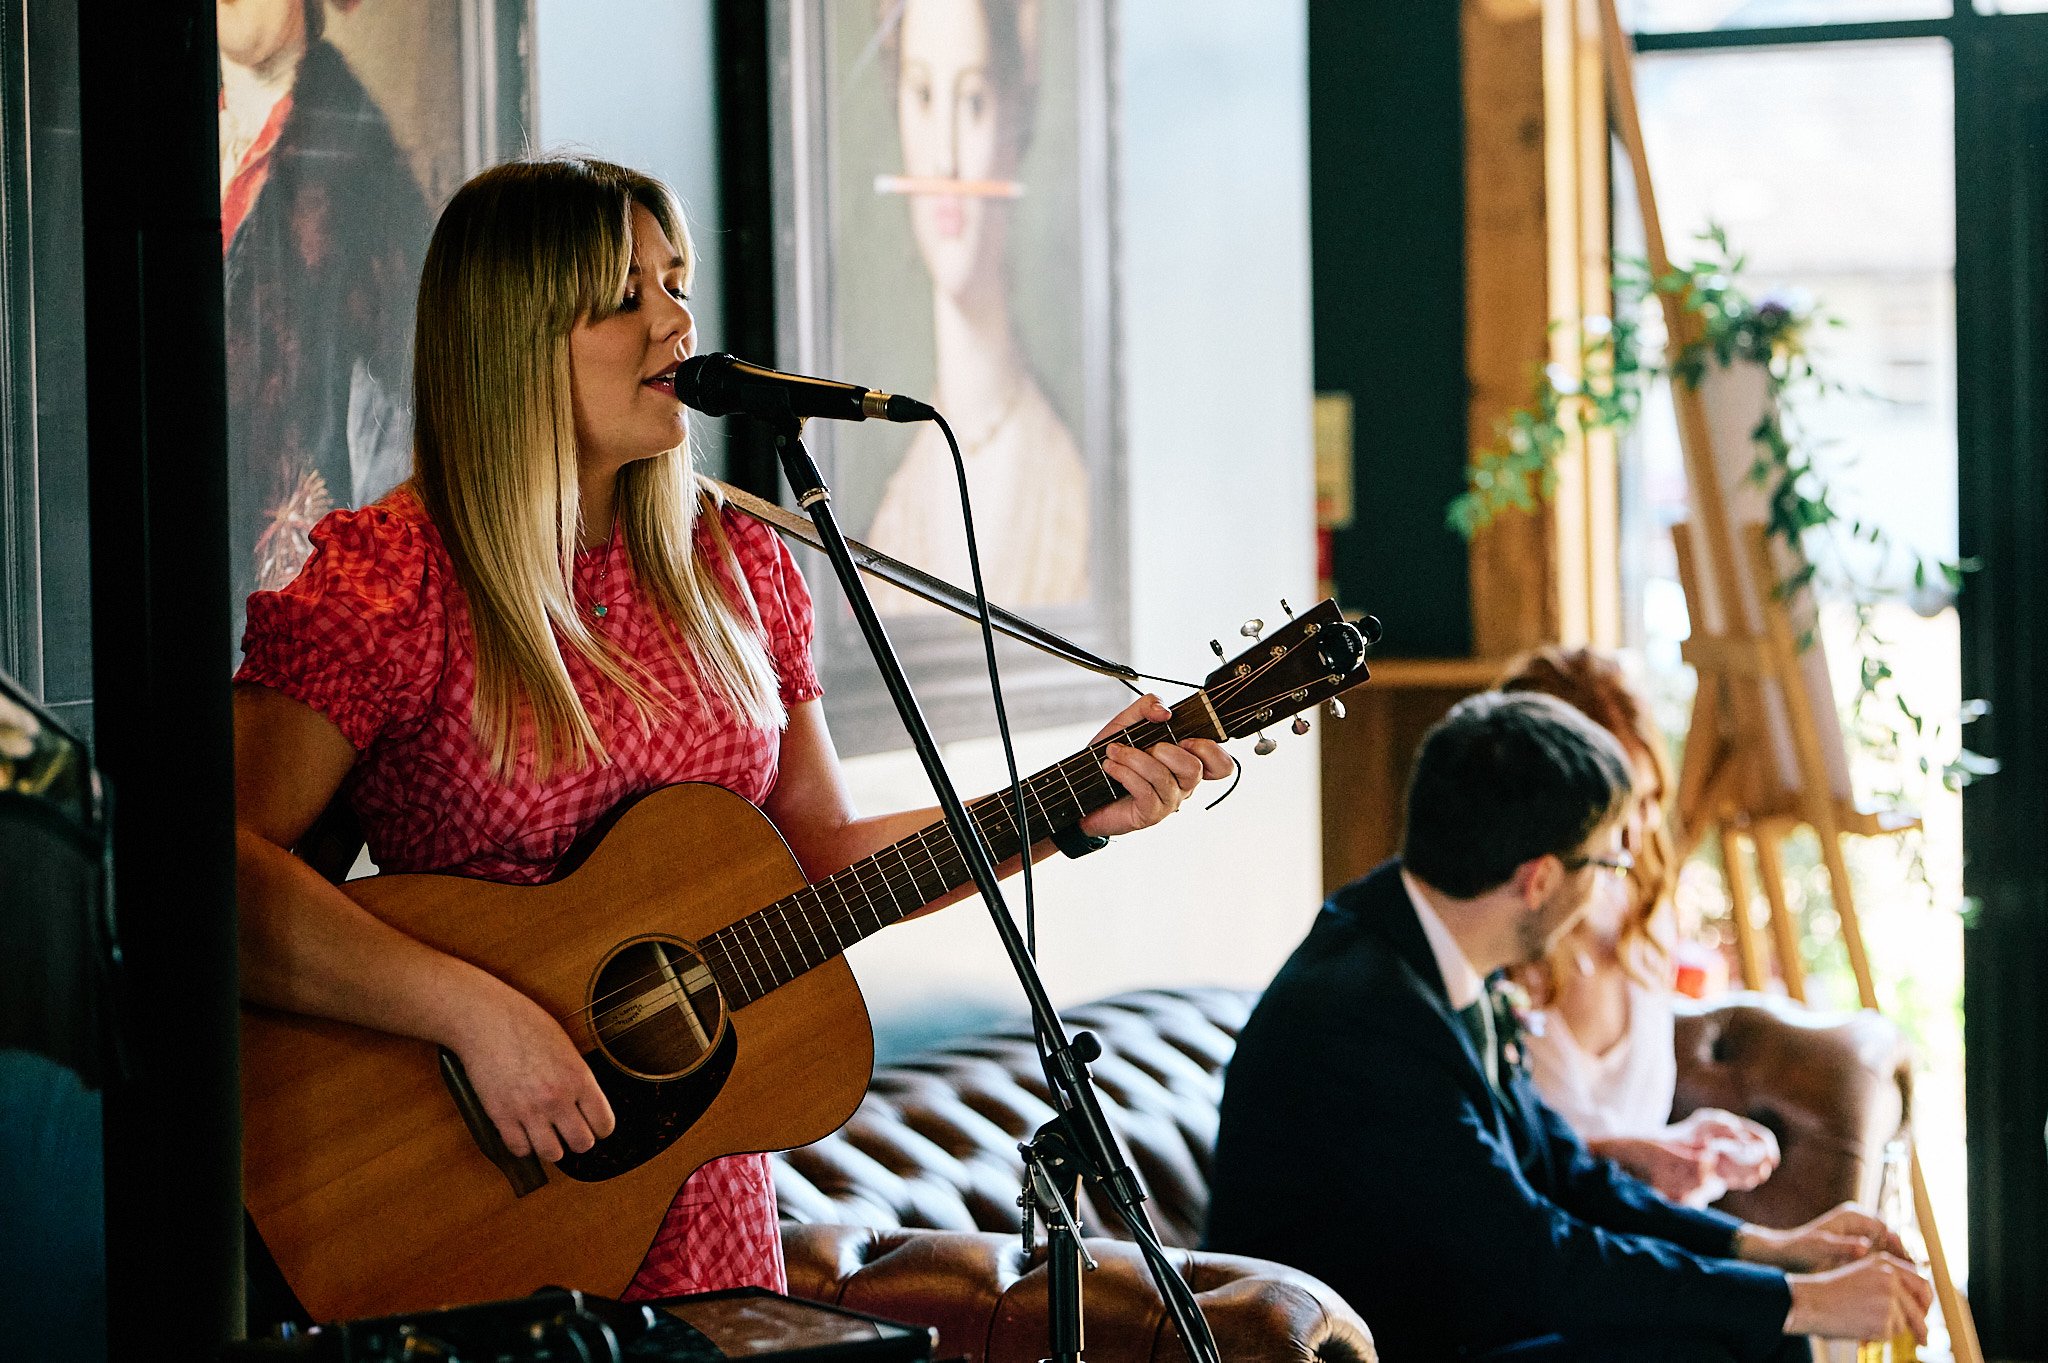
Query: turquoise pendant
(599, 611)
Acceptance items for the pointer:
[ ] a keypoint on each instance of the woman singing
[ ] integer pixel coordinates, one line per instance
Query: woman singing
(549, 618)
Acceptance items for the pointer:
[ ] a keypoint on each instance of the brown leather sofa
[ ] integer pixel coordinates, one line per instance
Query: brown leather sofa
(909, 1210)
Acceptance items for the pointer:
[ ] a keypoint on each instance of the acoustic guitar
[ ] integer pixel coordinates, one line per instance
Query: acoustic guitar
(699, 975)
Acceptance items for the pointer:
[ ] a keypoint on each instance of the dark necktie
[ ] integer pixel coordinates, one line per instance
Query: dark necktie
(1478, 1021)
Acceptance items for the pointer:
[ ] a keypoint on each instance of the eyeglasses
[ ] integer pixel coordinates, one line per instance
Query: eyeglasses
(1618, 865)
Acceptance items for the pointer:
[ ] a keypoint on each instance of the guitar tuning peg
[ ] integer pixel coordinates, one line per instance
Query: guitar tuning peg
(1216, 648)
(1264, 746)
(1336, 708)
(1289, 609)
(1300, 725)
(1251, 629)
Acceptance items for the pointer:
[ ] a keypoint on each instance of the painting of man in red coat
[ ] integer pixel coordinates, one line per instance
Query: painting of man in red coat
(324, 226)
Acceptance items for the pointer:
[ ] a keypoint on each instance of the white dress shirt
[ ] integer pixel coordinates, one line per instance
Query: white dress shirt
(1461, 982)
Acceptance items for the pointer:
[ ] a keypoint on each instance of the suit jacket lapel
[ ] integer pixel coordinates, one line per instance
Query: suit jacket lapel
(1383, 907)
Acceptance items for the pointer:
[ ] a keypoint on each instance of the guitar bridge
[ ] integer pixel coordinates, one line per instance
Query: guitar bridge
(525, 1173)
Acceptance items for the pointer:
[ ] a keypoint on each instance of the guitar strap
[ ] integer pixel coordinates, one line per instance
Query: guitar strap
(919, 583)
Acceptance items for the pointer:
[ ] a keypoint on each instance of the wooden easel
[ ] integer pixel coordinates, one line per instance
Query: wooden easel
(1753, 696)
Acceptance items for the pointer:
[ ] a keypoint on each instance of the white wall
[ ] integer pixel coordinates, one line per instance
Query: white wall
(1214, 274)
(631, 82)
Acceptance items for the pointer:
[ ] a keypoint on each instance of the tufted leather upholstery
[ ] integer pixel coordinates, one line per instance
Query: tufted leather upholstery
(1832, 1087)
(933, 1149)
(989, 1303)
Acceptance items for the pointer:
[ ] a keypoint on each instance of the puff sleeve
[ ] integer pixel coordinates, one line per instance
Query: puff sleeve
(784, 601)
(359, 634)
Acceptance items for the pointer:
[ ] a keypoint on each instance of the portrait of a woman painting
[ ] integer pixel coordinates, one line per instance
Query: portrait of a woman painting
(965, 76)
(951, 235)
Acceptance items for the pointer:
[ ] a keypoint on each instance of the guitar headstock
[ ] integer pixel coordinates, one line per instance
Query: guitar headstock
(1314, 657)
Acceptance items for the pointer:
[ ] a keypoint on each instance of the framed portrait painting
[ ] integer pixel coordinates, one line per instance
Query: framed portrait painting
(344, 126)
(944, 213)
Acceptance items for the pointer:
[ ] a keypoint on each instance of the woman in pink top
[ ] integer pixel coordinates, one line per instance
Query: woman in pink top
(548, 619)
(1602, 1053)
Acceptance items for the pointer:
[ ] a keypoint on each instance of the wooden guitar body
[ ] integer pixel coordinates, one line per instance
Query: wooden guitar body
(361, 1172)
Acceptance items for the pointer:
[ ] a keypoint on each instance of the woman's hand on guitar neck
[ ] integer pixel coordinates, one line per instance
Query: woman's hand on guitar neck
(528, 1075)
(1157, 778)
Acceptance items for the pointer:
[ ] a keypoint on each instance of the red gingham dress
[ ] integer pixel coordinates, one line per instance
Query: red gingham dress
(374, 634)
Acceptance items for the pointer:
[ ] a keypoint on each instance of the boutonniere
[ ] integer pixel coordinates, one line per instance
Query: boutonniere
(1515, 1015)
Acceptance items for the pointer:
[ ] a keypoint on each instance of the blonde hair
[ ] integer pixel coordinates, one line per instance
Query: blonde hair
(1594, 684)
(522, 254)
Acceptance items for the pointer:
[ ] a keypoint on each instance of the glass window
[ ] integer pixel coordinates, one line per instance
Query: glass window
(2012, 6)
(1692, 16)
(1831, 168)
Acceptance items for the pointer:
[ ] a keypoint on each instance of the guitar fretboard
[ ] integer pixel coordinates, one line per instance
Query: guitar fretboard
(774, 945)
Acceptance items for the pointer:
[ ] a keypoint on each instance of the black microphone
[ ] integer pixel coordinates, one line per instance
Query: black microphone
(720, 385)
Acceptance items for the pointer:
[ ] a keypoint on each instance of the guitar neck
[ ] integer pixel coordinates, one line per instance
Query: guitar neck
(774, 945)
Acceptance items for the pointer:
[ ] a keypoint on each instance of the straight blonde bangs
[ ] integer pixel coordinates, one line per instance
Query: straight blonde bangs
(523, 253)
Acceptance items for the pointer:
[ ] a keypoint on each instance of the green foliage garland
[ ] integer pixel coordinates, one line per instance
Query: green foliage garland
(1520, 468)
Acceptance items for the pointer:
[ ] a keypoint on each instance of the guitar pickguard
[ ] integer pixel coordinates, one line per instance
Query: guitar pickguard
(651, 1116)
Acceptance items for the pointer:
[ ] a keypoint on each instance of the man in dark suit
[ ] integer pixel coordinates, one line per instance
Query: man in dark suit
(1378, 1131)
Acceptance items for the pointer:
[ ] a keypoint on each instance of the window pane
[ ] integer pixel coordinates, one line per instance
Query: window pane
(1831, 167)
(1832, 170)
(1690, 16)
(2012, 6)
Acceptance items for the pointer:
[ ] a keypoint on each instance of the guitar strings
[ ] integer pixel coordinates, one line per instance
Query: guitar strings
(998, 829)
(995, 820)
(762, 966)
(1091, 774)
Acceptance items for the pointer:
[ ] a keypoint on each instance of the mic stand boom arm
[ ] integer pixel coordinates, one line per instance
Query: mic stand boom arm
(1087, 1131)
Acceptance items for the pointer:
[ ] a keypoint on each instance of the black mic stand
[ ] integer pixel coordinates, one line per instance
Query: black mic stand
(1077, 1142)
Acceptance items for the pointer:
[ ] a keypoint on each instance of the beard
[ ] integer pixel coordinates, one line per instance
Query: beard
(1537, 933)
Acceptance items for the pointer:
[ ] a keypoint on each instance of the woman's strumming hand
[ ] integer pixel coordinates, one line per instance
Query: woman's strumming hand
(528, 1075)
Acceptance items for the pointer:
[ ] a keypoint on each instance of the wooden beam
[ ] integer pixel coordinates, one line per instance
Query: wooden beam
(1536, 268)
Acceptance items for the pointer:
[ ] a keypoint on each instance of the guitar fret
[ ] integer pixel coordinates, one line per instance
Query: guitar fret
(1097, 774)
(915, 887)
(810, 923)
(840, 905)
(899, 901)
(1049, 814)
(757, 961)
(840, 941)
(924, 842)
(882, 886)
(718, 956)
(867, 898)
(813, 910)
(776, 942)
(1005, 833)
(746, 958)
(1068, 781)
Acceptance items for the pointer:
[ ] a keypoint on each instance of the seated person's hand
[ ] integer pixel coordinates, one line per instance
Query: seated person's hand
(1677, 1169)
(1155, 780)
(1739, 1152)
(1869, 1298)
(1842, 1236)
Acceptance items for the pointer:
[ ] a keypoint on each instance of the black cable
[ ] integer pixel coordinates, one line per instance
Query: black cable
(995, 685)
(1235, 776)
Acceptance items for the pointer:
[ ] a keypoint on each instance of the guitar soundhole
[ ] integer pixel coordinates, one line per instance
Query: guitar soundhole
(654, 1008)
